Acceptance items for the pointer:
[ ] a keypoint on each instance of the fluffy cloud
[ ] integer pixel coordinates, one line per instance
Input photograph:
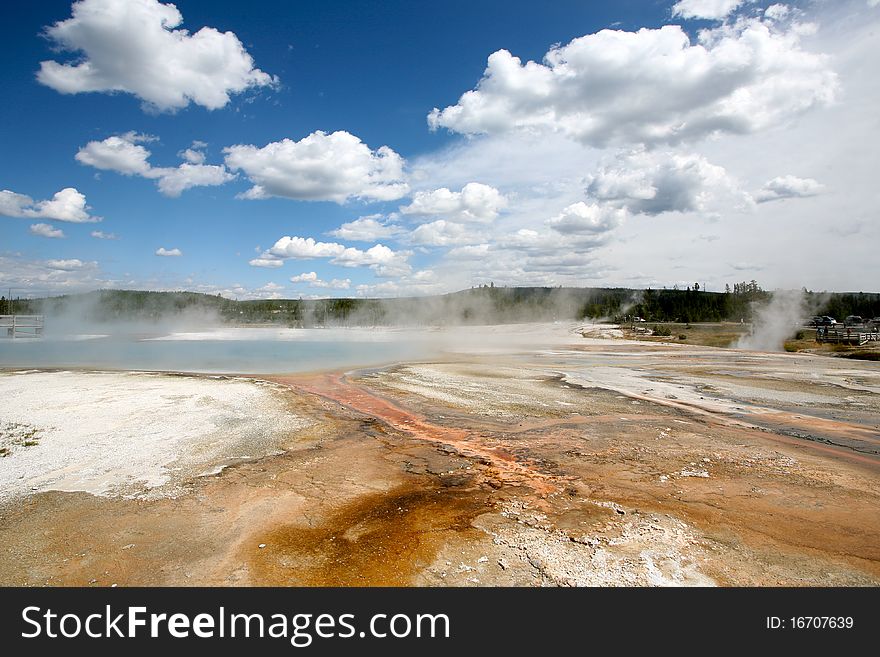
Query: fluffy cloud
(587, 218)
(174, 181)
(471, 252)
(442, 233)
(335, 284)
(306, 277)
(168, 253)
(312, 279)
(651, 86)
(120, 153)
(131, 46)
(788, 187)
(194, 154)
(381, 259)
(304, 248)
(270, 290)
(47, 230)
(366, 229)
(124, 154)
(268, 263)
(709, 9)
(66, 205)
(474, 203)
(14, 205)
(70, 265)
(101, 235)
(778, 12)
(653, 182)
(320, 167)
(378, 255)
(523, 257)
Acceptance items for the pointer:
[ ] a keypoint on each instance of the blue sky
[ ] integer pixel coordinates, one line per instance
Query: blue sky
(650, 155)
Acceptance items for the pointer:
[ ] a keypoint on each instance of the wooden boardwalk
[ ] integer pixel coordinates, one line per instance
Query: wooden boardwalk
(21, 326)
(851, 336)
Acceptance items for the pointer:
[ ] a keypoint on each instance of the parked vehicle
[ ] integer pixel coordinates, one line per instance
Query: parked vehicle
(853, 320)
(827, 321)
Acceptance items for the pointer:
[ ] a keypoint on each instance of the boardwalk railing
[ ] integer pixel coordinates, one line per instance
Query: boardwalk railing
(847, 336)
(21, 326)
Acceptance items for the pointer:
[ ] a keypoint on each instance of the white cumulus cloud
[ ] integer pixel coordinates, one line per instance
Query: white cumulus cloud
(304, 248)
(709, 9)
(777, 12)
(305, 277)
(443, 233)
(120, 153)
(193, 155)
(168, 253)
(650, 86)
(131, 46)
(474, 203)
(587, 218)
(71, 264)
(268, 263)
(47, 230)
(366, 229)
(470, 252)
(334, 284)
(378, 255)
(788, 187)
(320, 167)
(176, 180)
(312, 279)
(125, 154)
(383, 260)
(654, 182)
(69, 204)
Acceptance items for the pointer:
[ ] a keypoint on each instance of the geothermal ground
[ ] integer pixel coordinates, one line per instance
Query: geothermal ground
(567, 461)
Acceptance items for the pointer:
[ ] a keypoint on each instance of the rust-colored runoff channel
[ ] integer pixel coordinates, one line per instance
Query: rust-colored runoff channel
(504, 467)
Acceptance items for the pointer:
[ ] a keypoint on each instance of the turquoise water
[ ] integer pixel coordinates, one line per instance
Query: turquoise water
(248, 356)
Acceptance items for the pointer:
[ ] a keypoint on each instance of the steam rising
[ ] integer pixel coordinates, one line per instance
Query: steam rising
(180, 331)
(144, 313)
(96, 314)
(776, 321)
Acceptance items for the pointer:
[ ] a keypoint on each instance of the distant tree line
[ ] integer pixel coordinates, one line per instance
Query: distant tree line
(692, 305)
(838, 305)
(481, 305)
